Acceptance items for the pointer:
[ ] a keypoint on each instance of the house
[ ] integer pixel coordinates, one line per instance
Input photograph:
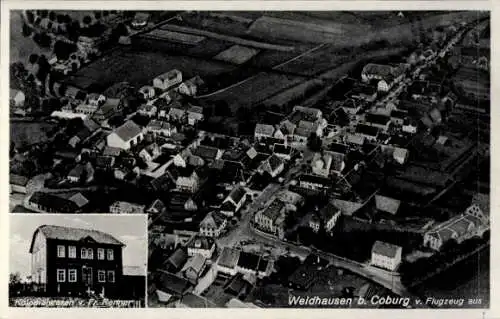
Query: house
(458, 228)
(271, 219)
(352, 106)
(18, 183)
(327, 162)
(400, 155)
(81, 173)
(160, 128)
(378, 120)
(194, 267)
(176, 261)
(156, 208)
(201, 245)
(283, 151)
(147, 110)
(50, 203)
(385, 255)
(387, 204)
(177, 114)
(234, 201)
(355, 140)
(187, 179)
(107, 110)
(67, 261)
(17, 97)
(122, 207)
(389, 74)
(263, 131)
(480, 207)
(150, 152)
(367, 131)
(228, 260)
(195, 115)
(314, 182)
(191, 86)
(126, 136)
(213, 224)
(273, 165)
(147, 92)
(95, 99)
(248, 264)
(86, 108)
(167, 80)
(169, 285)
(327, 218)
(409, 126)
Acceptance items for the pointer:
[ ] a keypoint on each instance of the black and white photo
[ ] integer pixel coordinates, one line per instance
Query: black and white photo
(77, 261)
(282, 159)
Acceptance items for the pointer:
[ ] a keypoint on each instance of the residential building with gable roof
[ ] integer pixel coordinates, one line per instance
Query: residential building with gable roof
(68, 261)
(126, 136)
(385, 255)
(213, 224)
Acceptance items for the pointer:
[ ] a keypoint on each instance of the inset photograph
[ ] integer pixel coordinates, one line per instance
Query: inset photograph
(77, 261)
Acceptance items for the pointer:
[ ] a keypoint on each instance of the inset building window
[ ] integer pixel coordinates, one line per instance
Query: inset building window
(101, 276)
(61, 252)
(61, 275)
(111, 276)
(72, 275)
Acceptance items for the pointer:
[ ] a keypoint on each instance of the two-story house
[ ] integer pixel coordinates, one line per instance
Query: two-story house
(385, 255)
(126, 136)
(213, 224)
(167, 80)
(68, 261)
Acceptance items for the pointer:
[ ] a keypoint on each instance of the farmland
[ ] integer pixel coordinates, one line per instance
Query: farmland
(174, 36)
(236, 54)
(139, 68)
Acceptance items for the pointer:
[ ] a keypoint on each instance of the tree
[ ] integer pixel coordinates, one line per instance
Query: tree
(60, 18)
(26, 30)
(52, 16)
(30, 16)
(33, 58)
(97, 15)
(74, 67)
(87, 20)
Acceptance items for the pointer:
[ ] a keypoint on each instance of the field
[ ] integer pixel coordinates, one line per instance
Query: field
(324, 58)
(205, 49)
(274, 28)
(237, 54)
(174, 36)
(255, 89)
(294, 93)
(139, 68)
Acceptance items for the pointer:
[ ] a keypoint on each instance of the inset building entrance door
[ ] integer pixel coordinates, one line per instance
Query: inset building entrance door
(87, 276)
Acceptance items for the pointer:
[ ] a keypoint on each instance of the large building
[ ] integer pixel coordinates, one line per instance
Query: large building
(69, 261)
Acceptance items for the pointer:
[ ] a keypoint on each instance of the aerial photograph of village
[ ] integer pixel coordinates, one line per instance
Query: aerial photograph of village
(282, 159)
